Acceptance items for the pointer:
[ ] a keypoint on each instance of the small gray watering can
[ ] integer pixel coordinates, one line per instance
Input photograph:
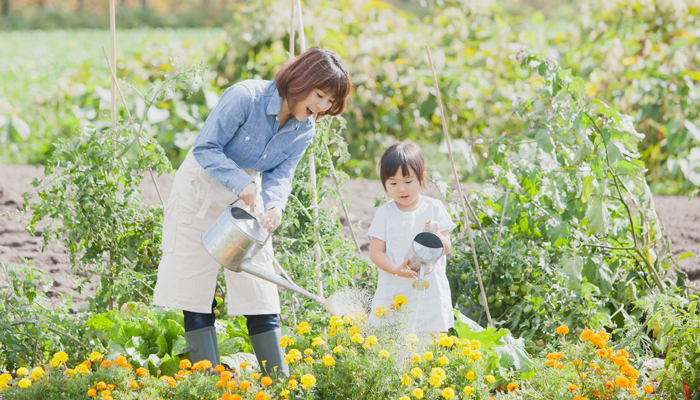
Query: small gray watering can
(424, 252)
(235, 238)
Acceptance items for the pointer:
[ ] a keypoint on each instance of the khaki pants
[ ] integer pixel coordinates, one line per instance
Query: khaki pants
(187, 274)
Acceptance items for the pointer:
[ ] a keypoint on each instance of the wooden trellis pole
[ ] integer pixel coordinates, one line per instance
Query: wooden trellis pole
(465, 211)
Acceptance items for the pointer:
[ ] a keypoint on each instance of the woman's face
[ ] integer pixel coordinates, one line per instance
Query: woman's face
(317, 101)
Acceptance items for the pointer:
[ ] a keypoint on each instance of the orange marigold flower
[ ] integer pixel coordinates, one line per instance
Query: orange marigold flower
(266, 381)
(620, 361)
(220, 384)
(602, 352)
(573, 388)
(121, 361)
(587, 335)
(91, 392)
(236, 397)
(622, 382)
(633, 391)
(245, 385)
(261, 396)
(108, 397)
(513, 386)
(106, 364)
(629, 370)
(610, 385)
(226, 376)
(142, 372)
(101, 386)
(559, 366)
(184, 364)
(599, 341)
(648, 389)
(623, 353)
(551, 363)
(169, 380)
(133, 384)
(219, 369)
(604, 335)
(244, 365)
(563, 330)
(579, 398)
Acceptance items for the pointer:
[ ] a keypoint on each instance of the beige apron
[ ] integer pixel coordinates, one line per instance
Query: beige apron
(187, 273)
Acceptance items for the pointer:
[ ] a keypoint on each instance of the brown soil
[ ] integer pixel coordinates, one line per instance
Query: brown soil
(680, 217)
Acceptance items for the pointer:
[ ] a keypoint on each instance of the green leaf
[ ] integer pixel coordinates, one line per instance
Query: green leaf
(179, 346)
(513, 354)
(685, 255)
(162, 343)
(101, 321)
(572, 266)
(598, 217)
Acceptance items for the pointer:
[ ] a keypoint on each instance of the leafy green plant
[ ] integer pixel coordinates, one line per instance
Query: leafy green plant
(91, 197)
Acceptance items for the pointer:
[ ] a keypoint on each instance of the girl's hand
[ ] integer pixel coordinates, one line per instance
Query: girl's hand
(271, 219)
(427, 227)
(248, 195)
(403, 271)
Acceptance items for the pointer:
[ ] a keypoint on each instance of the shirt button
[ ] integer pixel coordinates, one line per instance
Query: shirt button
(247, 138)
(264, 155)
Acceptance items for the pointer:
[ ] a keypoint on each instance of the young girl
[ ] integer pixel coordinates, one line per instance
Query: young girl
(396, 223)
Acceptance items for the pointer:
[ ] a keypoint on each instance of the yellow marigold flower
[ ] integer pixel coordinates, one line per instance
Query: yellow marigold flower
(328, 360)
(512, 387)
(417, 393)
(404, 398)
(370, 341)
(563, 330)
(446, 341)
(357, 338)
(303, 328)
(286, 341)
(416, 358)
(245, 385)
(284, 393)
(318, 342)
(381, 312)
(293, 356)
(475, 344)
(471, 375)
(91, 392)
(293, 384)
(412, 338)
(308, 380)
(428, 355)
(406, 380)
(308, 352)
(467, 351)
(59, 358)
(476, 355)
(436, 381)
(309, 360)
(82, 369)
(261, 396)
(24, 383)
(448, 393)
(96, 356)
(121, 361)
(468, 390)
(336, 321)
(416, 372)
(622, 382)
(490, 378)
(443, 360)
(399, 301)
(37, 373)
(339, 349)
(133, 384)
(573, 388)
(648, 389)
(22, 371)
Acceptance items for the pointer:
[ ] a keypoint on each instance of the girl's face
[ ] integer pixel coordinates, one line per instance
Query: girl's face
(405, 190)
(317, 101)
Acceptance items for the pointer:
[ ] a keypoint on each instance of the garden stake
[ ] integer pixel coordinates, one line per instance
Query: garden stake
(498, 244)
(113, 42)
(291, 30)
(131, 122)
(459, 187)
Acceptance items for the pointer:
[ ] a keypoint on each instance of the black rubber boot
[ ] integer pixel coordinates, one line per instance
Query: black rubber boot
(269, 353)
(202, 345)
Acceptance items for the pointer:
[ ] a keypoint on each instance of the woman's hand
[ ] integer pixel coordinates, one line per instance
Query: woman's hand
(271, 219)
(248, 195)
(403, 271)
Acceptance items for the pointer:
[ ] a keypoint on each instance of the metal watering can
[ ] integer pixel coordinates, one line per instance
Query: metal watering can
(236, 237)
(424, 252)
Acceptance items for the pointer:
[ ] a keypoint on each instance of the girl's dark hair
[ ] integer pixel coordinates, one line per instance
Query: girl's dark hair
(315, 69)
(405, 155)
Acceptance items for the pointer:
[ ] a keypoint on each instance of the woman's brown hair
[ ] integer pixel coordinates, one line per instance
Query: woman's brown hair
(406, 156)
(314, 69)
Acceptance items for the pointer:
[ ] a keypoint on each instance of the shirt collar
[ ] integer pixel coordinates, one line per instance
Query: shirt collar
(273, 107)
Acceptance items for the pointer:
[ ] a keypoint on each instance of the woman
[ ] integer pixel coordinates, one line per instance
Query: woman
(257, 126)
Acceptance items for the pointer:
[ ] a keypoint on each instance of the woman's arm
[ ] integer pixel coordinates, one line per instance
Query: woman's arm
(377, 253)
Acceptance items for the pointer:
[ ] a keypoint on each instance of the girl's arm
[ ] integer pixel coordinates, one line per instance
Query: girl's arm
(444, 235)
(377, 253)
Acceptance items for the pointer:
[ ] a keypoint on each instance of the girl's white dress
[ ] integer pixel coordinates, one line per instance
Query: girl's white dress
(431, 310)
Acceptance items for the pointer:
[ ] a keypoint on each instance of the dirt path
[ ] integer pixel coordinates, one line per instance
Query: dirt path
(681, 219)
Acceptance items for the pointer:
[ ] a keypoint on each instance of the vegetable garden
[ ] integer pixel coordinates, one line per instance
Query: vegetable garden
(567, 124)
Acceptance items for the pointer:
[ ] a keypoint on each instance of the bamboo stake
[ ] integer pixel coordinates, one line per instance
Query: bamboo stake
(291, 30)
(302, 37)
(465, 211)
(113, 42)
(131, 122)
(498, 244)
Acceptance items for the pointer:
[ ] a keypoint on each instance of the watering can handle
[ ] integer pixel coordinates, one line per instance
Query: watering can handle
(258, 210)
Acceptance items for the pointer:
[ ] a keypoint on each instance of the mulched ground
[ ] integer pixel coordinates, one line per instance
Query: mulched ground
(679, 215)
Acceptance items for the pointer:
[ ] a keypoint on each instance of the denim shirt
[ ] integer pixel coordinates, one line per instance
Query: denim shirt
(243, 132)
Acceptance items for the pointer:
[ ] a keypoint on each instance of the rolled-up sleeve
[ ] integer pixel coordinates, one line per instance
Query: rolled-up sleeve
(277, 182)
(220, 127)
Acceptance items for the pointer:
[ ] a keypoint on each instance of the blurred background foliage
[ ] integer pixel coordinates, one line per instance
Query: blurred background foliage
(641, 56)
